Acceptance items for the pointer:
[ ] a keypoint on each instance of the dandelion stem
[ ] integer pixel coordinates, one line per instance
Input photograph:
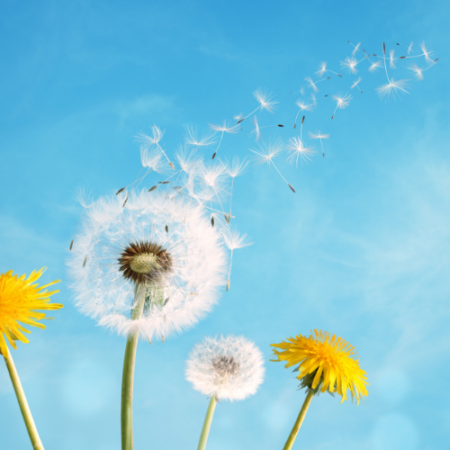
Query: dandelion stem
(23, 404)
(299, 421)
(126, 413)
(207, 424)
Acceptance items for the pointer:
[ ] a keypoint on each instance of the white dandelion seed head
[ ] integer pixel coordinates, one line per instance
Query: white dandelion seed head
(350, 64)
(186, 291)
(264, 99)
(342, 100)
(392, 88)
(267, 151)
(376, 65)
(229, 368)
(225, 128)
(234, 240)
(311, 83)
(188, 160)
(410, 48)
(418, 72)
(297, 150)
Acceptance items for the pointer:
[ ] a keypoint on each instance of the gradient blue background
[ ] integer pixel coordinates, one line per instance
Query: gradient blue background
(362, 249)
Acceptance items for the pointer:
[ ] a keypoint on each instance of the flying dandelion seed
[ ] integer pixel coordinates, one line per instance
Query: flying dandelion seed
(356, 84)
(154, 140)
(256, 128)
(224, 128)
(392, 59)
(265, 102)
(376, 65)
(350, 64)
(319, 136)
(267, 152)
(298, 150)
(312, 84)
(392, 88)
(233, 241)
(192, 139)
(342, 101)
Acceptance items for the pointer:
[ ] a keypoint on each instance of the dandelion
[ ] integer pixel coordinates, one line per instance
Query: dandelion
(356, 83)
(20, 299)
(226, 368)
(325, 363)
(320, 136)
(267, 152)
(265, 102)
(146, 270)
(342, 101)
(298, 150)
(234, 240)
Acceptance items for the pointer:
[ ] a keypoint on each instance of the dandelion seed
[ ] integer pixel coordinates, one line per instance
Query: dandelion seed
(375, 65)
(350, 65)
(265, 102)
(153, 188)
(303, 106)
(224, 128)
(234, 241)
(342, 101)
(418, 71)
(120, 190)
(298, 150)
(71, 244)
(392, 88)
(355, 47)
(312, 84)
(156, 137)
(356, 83)
(267, 152)
(319, 136)
(392, 59)
(256, 128)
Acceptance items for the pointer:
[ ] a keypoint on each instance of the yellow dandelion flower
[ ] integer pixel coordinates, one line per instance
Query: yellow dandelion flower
(19, 301)
(325, 362)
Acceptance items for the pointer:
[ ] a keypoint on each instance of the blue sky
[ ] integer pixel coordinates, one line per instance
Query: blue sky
(361, 250)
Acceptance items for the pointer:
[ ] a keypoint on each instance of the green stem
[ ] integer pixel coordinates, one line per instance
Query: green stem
(23, 404)
(207, 424)
(126, 412)
(299, 421)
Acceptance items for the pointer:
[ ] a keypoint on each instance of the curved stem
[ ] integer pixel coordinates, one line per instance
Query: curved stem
(126, 412)
(207, 424)
(23, 404)
(299, 421)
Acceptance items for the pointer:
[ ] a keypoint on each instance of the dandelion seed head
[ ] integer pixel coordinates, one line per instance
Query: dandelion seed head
(305, 106)
(237, 167)
(235, 240)
(318, 135)
(375, 65)
(192, 138)
(267, 151)
(418, 72)
(225, 128)
(311, 83)
(322, 70)
(426, 53)
(229, 368)
(297, 150)
(168, 241)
